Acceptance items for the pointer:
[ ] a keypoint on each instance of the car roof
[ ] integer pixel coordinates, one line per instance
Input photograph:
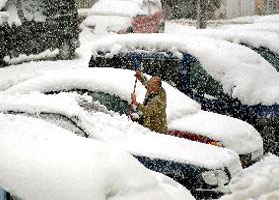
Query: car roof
(118, 130)
(117, 8)
(42, 161)
(236, 67)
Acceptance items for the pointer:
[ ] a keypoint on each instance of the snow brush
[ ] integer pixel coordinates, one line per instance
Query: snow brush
(136, 65)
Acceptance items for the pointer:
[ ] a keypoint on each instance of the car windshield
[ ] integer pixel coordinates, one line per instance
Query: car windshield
(6, 195)
(271, 57)
(101, 101)
(203, 84)
(59, 120)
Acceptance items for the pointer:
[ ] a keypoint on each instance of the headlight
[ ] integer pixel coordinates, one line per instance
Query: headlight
(215, 177)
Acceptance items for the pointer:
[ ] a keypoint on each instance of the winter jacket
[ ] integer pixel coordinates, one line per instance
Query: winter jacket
(153, 109)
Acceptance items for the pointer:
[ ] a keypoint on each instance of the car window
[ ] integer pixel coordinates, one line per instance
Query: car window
(111, 102)
(32, 9)
(154, 6)
(7, 196)
(269, 56)
(102, 102)
(203, 84)
(59, 120)
(62, 121)
(167, 69)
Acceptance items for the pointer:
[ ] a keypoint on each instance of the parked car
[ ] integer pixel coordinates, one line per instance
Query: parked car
(263, 42)
(126, 16)
(204, 169)
(223, 77)
(112, 88)
(42, 161)
(36, 26)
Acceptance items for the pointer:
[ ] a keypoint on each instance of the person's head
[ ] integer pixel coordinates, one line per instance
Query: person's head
(154, 84)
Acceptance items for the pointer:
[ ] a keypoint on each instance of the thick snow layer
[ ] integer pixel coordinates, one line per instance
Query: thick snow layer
(258, 182)
(272, 27)
(233, 133)
(104, 24)
(117, 82)
(2, 3)
(254, 38)
(118, 8)
(256, 19)
(243, 73)
(121, 132)
(4, 17)
(47, 54)
(182, 112)
(38, 161)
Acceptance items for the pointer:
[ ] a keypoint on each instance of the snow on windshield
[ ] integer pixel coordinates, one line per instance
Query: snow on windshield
(43, 156)
(243, 73)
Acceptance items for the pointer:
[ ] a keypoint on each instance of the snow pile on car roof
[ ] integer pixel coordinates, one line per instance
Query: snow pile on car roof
(104, 24)
(2, 3)
(258, 182)
(243, 73)
(42, 161)
(118, 7)
(254, 38)
(256, 19)
(273, 27)
(119, 131)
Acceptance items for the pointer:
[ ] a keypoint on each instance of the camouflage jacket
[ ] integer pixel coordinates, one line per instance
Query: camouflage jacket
(153, 109)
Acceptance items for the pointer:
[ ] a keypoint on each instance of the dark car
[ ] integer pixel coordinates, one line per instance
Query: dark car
(35, 26)
(188, 75)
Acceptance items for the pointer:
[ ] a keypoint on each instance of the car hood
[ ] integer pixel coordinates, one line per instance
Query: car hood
(233, 133)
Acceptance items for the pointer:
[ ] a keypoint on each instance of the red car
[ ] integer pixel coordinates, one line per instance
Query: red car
(126, 16)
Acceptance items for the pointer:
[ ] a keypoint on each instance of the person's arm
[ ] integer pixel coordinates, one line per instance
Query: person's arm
(143, 79)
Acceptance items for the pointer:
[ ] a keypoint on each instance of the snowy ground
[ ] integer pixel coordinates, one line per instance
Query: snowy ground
(258, 182)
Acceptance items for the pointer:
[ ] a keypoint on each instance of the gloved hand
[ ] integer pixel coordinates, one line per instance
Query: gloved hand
(138, 74)
(133, 97)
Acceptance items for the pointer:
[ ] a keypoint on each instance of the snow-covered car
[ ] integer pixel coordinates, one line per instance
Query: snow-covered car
(40, 160)
(264, 43)
(201, 168)
(126, 16)
(112, 88)
(223, 77)
(35, 26)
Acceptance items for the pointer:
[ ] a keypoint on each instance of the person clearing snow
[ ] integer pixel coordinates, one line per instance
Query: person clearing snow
(153, 110)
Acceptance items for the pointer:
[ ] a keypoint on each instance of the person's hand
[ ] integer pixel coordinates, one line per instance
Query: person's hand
(133, 97)
(138, 74)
